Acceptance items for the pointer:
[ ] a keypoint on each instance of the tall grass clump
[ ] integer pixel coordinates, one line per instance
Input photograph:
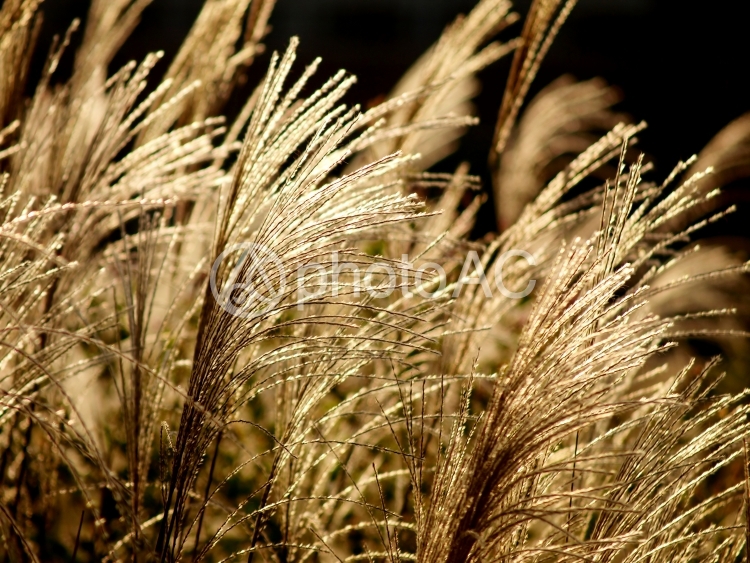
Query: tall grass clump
(170, 392)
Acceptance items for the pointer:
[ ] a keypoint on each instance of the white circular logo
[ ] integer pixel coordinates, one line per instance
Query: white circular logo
(254, 284)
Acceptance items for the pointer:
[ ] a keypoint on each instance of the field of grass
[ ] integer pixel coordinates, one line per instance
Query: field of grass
(274, 338)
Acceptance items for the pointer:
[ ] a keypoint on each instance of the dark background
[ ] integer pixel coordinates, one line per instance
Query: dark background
(682, 66)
